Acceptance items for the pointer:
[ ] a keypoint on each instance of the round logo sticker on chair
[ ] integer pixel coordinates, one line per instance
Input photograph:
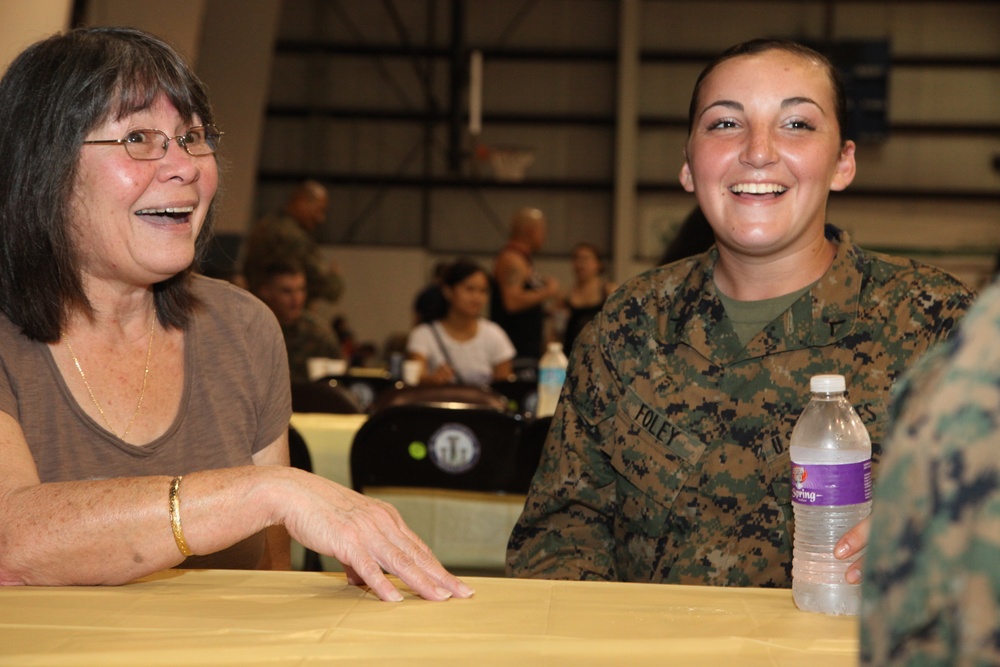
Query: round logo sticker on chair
(454, 448)
(364, 394)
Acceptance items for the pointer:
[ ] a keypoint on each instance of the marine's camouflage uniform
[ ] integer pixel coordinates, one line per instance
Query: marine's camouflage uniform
(305, 339)
(667, 457)
(282, 238)
(931, 593)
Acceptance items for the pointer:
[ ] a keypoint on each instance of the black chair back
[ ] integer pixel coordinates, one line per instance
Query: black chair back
(365, 389)
(426, 446)
(323, 397)
(522, 395)
(298, 454)
(525, 368)
(453, 395)
(529, 450)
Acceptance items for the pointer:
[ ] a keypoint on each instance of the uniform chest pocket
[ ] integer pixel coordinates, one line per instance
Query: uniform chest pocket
(650, 454)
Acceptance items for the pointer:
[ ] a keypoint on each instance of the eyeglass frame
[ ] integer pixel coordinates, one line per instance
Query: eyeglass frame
(178, 139)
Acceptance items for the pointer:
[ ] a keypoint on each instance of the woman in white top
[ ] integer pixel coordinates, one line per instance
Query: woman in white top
(463, 347)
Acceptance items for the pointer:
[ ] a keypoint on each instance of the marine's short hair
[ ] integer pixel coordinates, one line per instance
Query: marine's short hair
(757, 46)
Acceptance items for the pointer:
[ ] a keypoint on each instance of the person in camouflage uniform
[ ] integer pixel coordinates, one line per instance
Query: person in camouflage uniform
(931, 591)
(667, 457)
(289, 237)
(284, 290)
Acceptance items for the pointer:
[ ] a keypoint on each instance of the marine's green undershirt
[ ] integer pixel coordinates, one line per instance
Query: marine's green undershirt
(750, 317)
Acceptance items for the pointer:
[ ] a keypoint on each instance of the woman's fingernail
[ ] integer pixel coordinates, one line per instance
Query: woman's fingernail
(444, 593)
(853, 576)
(841, 551)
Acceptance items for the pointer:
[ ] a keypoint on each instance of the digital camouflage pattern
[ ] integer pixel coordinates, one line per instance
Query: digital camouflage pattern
(667, 459)
(282, 238)
(305, 339)
(931, 591)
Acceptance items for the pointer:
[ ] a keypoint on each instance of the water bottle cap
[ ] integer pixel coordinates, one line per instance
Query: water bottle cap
(827, 384)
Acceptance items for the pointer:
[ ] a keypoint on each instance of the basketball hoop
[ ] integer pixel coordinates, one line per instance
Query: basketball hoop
(508, 162)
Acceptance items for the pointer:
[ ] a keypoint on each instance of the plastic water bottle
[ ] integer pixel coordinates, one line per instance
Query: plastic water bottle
(396, 366)
(831, 492)
(551, 375)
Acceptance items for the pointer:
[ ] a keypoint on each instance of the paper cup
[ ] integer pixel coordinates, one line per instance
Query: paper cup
(321, 367)
(411, 371)
(336, 366)
(316, 367)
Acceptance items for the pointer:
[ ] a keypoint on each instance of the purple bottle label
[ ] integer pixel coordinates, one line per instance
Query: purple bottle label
(829, 485)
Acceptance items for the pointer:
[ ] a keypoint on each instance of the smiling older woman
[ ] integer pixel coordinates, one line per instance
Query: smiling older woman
(123, 372)
(667, 460)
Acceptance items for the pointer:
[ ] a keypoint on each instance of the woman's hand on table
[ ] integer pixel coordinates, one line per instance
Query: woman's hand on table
(853, 542)
(368, 537)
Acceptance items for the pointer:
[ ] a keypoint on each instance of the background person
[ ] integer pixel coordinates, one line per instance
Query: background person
(463, 347)
(289, 237)
(283, 290)
(667, 459)
(520, 294)
(123, 372)
(588, 294)
(429, 304)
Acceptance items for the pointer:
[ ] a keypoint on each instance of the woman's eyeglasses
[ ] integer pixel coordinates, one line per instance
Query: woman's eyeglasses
(152, 144)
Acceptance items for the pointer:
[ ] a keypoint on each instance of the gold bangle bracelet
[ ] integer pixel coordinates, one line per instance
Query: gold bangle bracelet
(175, 516)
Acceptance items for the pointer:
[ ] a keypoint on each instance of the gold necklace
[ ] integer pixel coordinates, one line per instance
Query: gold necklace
(145, 374)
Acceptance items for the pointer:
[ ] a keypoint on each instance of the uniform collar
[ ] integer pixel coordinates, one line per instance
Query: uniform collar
(694, 316)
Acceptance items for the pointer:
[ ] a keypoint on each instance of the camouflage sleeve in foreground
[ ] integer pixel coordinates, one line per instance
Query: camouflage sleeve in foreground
(931, 593)
(667, 460)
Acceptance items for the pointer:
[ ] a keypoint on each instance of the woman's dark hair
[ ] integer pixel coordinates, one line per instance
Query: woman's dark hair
(757, 46)
(459, 270)
(53, 94)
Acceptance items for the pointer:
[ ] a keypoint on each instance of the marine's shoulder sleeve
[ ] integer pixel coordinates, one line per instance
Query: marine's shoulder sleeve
(932, 577)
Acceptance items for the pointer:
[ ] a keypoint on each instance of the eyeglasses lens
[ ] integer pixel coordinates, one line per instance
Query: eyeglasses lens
(152, 144)
(200, 140)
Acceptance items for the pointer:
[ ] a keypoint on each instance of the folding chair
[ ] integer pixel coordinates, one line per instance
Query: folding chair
(430, 446)
(322, 396)
(522, 395)
(449, 395)
(299, 457)
(529, 451)
(365, 389)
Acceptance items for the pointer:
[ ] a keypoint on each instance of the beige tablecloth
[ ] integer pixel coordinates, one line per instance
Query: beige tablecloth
(305, 618)
(467, 531)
